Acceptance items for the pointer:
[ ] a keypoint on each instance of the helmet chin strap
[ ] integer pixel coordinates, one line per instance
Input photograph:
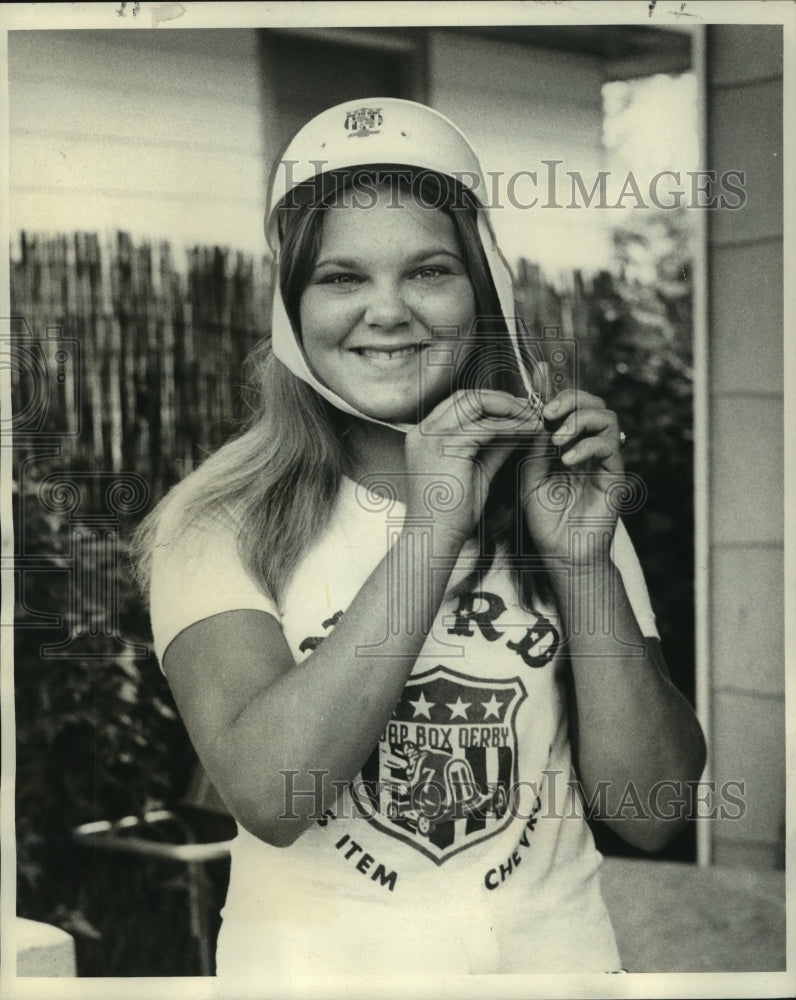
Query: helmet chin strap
(288, 350)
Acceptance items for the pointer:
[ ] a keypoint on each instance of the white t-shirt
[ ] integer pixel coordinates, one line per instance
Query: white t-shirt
(461, 848)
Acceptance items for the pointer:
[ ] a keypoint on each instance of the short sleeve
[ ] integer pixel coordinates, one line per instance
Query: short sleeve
(196, 573)
(626, 561)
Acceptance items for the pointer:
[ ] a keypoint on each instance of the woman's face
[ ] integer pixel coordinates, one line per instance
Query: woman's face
(386, 276)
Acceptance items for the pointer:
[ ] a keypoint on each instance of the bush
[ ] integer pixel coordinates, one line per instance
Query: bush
(97, 738)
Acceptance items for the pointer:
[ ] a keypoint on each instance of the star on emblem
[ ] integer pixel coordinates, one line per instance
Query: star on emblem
(492, 707)
(459, 708)
(422, 707)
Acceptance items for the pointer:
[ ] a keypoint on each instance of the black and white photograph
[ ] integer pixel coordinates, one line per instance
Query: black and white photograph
(394, 427)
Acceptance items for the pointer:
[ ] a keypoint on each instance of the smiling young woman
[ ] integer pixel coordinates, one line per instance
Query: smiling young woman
(386, 277)
(377, 620)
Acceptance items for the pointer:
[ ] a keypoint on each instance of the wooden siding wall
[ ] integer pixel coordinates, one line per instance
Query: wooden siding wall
(744, 109)
(156, 132)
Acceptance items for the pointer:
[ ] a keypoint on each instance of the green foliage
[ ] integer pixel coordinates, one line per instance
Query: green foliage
(642, 363)
(97, 732)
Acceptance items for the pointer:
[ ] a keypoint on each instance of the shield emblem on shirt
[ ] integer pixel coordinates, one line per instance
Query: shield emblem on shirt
(443, 772)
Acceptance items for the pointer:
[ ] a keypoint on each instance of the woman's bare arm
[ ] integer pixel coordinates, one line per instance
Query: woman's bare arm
(262, 723)
(637, 739)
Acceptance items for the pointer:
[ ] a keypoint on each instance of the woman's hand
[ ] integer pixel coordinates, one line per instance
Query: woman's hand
(453, 454)
(559, 493)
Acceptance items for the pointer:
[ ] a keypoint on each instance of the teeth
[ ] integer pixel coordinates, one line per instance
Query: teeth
(380, 355)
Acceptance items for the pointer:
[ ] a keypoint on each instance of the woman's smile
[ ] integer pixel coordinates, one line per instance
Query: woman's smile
(390, 357)
(389, 278)
(388, 353)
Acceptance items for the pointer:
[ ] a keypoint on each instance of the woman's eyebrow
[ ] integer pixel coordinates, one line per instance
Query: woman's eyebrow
(434, 252)
(353, 263)
(338, 262)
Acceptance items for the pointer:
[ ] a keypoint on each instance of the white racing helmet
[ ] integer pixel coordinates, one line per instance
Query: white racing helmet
(367, 132)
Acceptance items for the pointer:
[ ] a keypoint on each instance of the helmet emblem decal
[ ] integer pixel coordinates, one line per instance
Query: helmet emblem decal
(363, 122)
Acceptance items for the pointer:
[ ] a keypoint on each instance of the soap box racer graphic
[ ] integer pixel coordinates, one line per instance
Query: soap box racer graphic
(439, 788)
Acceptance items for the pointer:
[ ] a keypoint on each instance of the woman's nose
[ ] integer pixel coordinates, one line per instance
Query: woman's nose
(386, 306)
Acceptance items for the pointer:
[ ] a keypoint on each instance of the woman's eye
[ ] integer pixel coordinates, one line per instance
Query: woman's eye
(339, 279)
(430, 272)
